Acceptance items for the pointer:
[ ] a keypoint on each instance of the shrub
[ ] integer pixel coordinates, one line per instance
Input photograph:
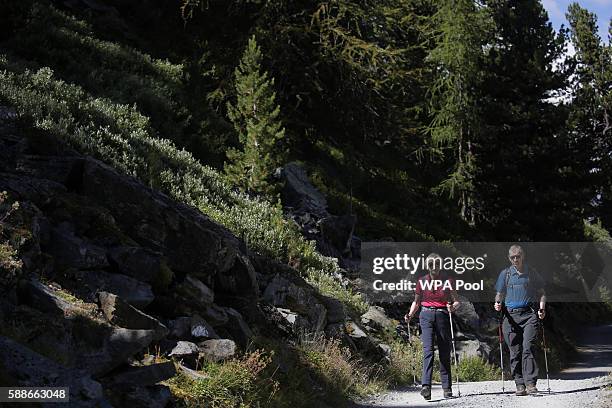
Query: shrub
(405, 363)
(329, 286)
(121, 136)
(10, 264)
(477, 369)
(338, 368)
(104, 68)
(239, 382)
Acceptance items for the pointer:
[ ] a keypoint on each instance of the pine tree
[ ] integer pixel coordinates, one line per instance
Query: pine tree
(590, 119)
(522, 178)
(260, 131)
(457, 62)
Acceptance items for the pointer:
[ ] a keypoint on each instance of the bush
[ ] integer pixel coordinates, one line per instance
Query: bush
(106, 69)
(10, 264)
(329, 286)
(477, 369)
(406, 362)
(343, 373)
(239, 382)
(122, 137)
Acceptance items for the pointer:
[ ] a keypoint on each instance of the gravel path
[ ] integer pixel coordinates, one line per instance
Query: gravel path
(580, 386)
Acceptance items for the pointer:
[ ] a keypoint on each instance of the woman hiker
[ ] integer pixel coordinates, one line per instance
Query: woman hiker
(434, 320)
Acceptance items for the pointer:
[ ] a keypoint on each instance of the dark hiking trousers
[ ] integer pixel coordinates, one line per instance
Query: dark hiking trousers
(436, 323)
(520, 332)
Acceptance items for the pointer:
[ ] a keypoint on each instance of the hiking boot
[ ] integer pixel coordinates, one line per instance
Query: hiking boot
(531, 389)
(520, 390)
(448, 393)
(426, 392)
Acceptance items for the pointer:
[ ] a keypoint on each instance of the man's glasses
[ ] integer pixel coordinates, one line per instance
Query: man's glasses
(513, 257)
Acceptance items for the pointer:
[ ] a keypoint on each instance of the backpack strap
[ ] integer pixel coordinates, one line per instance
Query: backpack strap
(507, 280)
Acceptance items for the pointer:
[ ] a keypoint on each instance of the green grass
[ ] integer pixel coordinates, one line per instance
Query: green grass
(477, 369)
(341, 371)
(331, 287)
(237, 383)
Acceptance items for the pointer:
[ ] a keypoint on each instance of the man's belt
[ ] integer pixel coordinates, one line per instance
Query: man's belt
(519, 309)
(434, 307)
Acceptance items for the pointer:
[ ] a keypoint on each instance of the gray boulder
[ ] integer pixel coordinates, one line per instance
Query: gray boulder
(473, 348)
(39, 191)
(113, 350)
(196, 293)
(467, 314)
(338, 231)
(180, 328)
(155, 396)
(20, 366)
(336, 312)
(87, 284)
(61, 169)
(139, 263)
(189, 240)
(122, 314)
(45, 298)
(201, 329)
(376, 318)
(296, 295)
(237, 327)
(192, 374)
(215, 315)
(217, 349)
(68, 250)
(299, 193)
(184, 348)
(146, 375)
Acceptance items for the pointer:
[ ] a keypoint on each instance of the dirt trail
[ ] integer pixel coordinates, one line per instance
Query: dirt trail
(578, 386)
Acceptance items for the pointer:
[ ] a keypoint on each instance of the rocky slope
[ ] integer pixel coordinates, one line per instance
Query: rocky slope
(117, 278)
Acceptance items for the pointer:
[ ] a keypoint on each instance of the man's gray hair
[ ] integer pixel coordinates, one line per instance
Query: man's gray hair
(516, 247)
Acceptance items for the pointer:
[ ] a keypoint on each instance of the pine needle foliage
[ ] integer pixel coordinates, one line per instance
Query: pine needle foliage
(255, 116)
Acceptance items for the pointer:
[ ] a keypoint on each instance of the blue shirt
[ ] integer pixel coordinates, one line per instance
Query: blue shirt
(523, 288)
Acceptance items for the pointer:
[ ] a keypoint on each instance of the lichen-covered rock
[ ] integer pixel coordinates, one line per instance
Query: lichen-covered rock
(217, 349)
(376, 318)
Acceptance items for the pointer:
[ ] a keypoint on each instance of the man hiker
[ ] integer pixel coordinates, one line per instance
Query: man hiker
(518, 289)
(434, 320)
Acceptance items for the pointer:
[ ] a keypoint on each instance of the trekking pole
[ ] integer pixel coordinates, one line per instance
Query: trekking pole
(545, 358)
(412, 359)
(501, 349)
(450, 315)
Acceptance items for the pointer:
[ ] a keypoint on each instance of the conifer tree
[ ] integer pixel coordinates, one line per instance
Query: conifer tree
(522, 178)
(590, 121)
(457, 61)
(255, 116)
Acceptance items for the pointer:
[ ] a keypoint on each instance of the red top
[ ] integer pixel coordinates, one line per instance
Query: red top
(434, 297)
